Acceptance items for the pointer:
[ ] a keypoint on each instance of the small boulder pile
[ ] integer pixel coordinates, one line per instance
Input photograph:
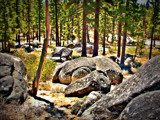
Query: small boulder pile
(61, 54)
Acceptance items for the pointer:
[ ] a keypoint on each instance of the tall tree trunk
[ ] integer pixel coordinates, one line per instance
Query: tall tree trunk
(43, 56)
(154, 43)
(19, 40)
(29, 10)
(18, 25)
(88, 40)
(60, 32)
(124, 36)
(39, 21)
(96, 35)
(113, 27)
(84, 53)
(150, 53)
(104, 34)
(78, 34)
(72, 28)
(124, 43)
(57, 33)
(37, 33)
(119, 38)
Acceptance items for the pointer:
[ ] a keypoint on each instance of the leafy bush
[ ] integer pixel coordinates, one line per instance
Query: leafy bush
(31, 60)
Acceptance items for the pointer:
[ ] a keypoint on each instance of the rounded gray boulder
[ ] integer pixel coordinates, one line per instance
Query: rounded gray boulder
(13, 79)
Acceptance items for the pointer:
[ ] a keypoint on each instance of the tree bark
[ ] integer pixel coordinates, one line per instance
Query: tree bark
(124, 36)
(124, 43)
(96, 35)
(119, 39)
(104, 34)
(88, 40)
(84, 53)
(39, 21)
(43, 56)
(113, 23)
(61, 32)
(29, 10)
(72, 28)
(154, 43)
(57, 32)
(150, 53)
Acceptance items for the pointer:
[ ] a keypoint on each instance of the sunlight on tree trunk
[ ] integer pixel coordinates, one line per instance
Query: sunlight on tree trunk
(43, 56)
(124, 43)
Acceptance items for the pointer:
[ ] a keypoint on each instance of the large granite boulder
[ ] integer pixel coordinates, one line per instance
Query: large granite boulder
(110, 106)
(13, 79)
(56, 72)
(65, 73)
(62, 52)
(143, 107)
(95, 81)
(69, 70)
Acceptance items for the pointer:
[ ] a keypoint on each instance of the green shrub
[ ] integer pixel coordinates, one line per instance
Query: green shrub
(31, 60)
(48, 70)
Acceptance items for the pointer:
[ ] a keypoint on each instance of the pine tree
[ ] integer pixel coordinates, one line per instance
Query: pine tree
(8, 24)
(124, 35)
(19, 20)
(43, 56)
(96, 35)
(84, 53)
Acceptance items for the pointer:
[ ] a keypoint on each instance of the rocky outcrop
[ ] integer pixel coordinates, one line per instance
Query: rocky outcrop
(13, 79)
(90, 100)
(76, 107)
(67, 70)
(110, 106)
(143, 107)
(95, 81)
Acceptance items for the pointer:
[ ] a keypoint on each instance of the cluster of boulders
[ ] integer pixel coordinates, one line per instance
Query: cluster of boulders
(134, 99)
(13, 79)
(61, 54)
(33, 45)
(87, 74)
